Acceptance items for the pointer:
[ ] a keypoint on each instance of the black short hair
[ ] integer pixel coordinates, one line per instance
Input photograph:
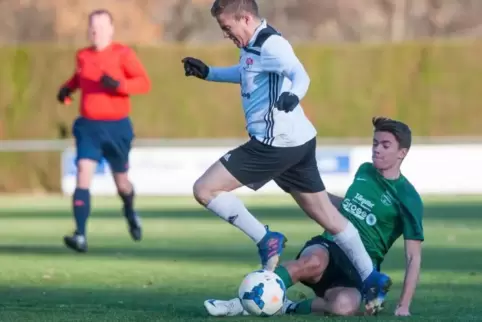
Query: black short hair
(400, 130)
(236, 7)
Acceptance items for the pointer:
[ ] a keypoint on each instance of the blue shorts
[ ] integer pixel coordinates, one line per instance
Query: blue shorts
(111, 140)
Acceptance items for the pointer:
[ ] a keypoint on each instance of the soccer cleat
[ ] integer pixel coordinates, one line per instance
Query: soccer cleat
(270, 249)
(375, 289)
(225, 308)
(135, 227)
(288, 307)
(76, 242)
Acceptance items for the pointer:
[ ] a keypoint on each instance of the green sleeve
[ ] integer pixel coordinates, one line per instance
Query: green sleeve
(412, 218)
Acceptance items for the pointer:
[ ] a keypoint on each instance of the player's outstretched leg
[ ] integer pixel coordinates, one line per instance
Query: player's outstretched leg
(81, 206)
(319, 207)
(213, 191)
(309, 266)
(339, 301)
(231, 307)
(126, 192)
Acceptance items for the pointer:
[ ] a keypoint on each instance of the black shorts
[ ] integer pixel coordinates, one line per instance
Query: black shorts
(292, 168)
(340, 272)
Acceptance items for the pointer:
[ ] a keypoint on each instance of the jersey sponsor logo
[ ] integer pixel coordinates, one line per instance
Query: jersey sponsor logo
(363, 202)
(246, 95)
(360, 208)
(227, 156)
(371, 220)
(360, 179)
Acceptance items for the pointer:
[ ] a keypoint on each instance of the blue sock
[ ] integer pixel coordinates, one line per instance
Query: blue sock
(81, 209)
(128, 200)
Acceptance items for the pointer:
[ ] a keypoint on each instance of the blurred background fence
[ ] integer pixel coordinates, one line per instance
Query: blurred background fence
(416, 60)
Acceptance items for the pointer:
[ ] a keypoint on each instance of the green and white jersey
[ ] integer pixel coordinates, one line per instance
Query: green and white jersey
(382, 210)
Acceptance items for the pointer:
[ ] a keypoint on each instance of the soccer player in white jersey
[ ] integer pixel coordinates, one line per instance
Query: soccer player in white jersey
(282, 145)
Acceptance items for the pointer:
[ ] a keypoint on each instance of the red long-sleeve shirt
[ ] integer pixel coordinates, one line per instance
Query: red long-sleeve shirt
(119, 62)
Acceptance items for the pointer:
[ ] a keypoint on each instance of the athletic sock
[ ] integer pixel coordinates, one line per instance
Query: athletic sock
(81, 209)
(350, 242)
(227, 206)
(300, 308)
(128, 200)
(283, 273)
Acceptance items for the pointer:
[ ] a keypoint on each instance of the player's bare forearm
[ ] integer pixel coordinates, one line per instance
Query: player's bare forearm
(413, 257)
(335, 200)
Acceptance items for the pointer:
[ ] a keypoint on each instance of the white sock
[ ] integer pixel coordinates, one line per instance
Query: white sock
(350, 242)
(227, 206)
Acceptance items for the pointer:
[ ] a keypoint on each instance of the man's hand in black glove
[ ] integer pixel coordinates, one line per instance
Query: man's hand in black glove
(195, 67)
(109, 82)
(64, 95)
(287, 102)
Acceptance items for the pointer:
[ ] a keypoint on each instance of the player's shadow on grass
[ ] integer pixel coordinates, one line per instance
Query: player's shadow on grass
(447, 212)
(435, 259)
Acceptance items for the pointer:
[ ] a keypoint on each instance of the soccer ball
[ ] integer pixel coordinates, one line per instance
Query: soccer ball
(262, 293)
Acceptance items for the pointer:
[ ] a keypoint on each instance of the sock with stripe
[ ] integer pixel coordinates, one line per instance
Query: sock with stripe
(81, 209)
(283, 273)
(300, 308)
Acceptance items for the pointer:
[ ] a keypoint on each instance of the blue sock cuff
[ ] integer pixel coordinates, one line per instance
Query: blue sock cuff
(82, 192)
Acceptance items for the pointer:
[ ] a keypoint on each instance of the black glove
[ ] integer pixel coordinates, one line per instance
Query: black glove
(109, 82)
(287, 102)
(63, 93)
(195, 67)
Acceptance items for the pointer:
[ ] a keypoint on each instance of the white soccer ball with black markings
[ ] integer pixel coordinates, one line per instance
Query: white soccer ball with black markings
(262, 293)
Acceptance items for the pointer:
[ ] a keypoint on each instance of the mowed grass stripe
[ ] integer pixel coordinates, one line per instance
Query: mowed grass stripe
(189, 255)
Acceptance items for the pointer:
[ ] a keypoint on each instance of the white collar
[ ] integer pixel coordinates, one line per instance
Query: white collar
(261, 26)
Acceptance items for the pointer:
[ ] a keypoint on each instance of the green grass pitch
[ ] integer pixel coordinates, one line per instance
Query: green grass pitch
(188, 255)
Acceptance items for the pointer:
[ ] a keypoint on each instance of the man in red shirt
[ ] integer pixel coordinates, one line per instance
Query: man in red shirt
(106, 74)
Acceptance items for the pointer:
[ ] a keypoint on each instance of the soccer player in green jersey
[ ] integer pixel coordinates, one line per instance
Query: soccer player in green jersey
(383, 205)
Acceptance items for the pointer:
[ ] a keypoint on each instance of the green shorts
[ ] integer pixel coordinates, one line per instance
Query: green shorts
(340, 272)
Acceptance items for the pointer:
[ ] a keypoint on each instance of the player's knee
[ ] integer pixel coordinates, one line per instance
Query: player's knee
(124, 188)
(315, 263)
(122, 183)
(201, 192)
(85, 169)
(313, 266)
(345, 303)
